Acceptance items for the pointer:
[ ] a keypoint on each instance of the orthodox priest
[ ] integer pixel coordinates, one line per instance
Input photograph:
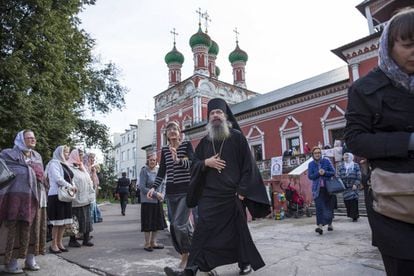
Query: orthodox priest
(224, 181)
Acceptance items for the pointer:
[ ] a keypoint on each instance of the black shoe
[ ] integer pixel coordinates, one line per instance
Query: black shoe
(157, 246)
(123, 213)
(54, 251)
(170, 272)
(330, 228)
(99, 220)
(63, 249)
(88, 243)
(319, 230)
(74, 244)
(245, 270)
(149, 249)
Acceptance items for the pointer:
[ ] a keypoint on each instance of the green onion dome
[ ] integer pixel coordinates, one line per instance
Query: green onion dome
(174, 56)
(217, 71)
(238, 55)
(200, 38)
(214, 48)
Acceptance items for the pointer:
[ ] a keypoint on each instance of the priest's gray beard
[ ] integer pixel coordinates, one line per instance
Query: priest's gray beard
(218, 132)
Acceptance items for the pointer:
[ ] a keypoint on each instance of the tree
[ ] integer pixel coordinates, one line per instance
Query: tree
(49, 78)
(108, 180)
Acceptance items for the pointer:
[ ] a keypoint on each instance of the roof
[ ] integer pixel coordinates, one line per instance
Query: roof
(361, 6)
(331, 77)
(338, 51)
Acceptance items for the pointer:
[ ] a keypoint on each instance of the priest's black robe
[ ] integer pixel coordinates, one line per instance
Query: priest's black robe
(221, 235)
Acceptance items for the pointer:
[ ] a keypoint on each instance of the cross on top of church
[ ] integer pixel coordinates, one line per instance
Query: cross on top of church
(200, 15)
(237, 35)
(174, 33)
(207, 19)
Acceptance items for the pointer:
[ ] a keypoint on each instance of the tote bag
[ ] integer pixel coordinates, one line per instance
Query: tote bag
(334, 185)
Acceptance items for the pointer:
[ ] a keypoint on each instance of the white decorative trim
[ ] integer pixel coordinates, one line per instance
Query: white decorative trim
(256, 140)
(364, 56)
(162, 132)
(332, 123)
(286, 133)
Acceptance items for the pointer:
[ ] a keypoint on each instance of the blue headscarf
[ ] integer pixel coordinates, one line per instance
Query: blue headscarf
(20, 143)
(388, 65)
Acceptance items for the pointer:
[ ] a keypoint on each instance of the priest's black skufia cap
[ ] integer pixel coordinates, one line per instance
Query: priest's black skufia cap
(221, 104)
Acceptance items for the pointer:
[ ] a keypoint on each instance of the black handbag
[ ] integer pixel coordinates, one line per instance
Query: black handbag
(6, 175)
(334, 185)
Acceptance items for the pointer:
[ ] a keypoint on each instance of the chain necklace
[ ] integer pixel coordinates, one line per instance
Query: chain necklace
(219, 153)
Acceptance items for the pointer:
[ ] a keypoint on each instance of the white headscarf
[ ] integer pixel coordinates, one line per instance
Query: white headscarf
(58, 154)
(20, 143)
(349, 165)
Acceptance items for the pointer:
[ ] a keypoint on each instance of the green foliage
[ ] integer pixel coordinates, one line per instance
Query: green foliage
(49, 78)
(108, 179)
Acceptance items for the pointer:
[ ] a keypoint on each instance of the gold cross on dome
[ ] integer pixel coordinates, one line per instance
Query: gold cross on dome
(200, 15)
(174, 33)
(237, 34)
(207, 19)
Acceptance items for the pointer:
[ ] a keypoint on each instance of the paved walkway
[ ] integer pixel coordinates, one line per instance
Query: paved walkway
(289, 247)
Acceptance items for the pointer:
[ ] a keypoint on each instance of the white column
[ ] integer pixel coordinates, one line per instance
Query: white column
(370, 20)
(355, 71)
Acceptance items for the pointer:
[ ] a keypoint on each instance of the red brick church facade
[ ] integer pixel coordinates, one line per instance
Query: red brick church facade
(310, 110)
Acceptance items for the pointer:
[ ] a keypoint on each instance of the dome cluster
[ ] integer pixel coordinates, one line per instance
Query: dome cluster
(201, 38)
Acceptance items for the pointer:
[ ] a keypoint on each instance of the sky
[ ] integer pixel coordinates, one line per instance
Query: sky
(287, 41)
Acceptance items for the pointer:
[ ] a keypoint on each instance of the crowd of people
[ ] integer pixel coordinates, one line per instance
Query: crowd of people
(30, 202)
(217, 182)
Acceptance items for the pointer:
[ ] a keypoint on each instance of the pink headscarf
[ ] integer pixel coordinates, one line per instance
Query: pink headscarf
(74, 158)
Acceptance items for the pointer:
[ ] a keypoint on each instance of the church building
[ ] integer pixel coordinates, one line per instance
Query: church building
(311, 110)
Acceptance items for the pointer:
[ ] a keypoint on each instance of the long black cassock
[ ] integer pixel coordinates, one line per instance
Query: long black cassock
(221, 235)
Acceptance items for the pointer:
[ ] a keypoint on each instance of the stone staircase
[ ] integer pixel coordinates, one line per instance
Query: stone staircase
(341, 211)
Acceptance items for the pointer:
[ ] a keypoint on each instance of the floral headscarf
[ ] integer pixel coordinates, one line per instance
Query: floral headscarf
(74, 158)
(388, 65)
(20, 143)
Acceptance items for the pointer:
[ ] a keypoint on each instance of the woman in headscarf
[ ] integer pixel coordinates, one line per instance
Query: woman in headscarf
(22, 206)
(84, 196)
(152, 213)
(59, 212)
(320, 169)
(380, 127)
(93, 169)
(350, 174)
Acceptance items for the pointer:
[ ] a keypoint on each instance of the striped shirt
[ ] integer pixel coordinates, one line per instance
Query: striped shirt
(177, 173)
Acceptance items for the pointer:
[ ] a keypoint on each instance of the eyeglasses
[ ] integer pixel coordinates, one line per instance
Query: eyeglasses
(172, 129)
(316, 152)
(29, 138)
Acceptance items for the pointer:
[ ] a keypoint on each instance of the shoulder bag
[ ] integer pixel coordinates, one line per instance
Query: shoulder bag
(334, 185)
(6, 175)
(66, 193)
(393, 194)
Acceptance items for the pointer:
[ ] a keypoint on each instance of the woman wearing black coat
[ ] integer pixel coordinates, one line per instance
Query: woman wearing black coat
(380, 127)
